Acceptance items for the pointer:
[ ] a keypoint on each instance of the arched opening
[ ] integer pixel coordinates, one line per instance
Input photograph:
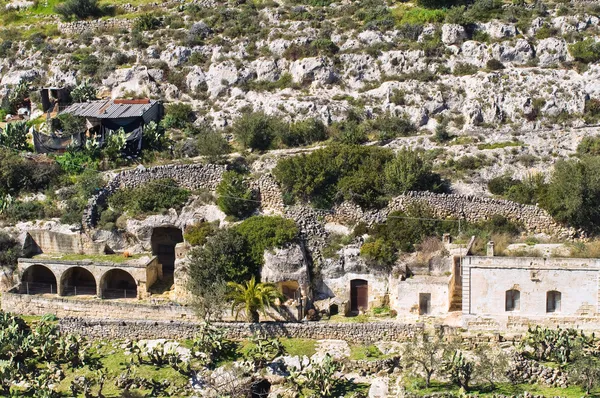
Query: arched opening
(117, 283)
(359, 295)
(164, 240)
(553, 299)
(78, 281)
(38, 279)
(290, 290)
(513, 300)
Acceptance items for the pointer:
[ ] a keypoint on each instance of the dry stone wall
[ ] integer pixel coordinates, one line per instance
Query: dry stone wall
(190, 176)
(355, 332)
(79, 27)
(466, 207)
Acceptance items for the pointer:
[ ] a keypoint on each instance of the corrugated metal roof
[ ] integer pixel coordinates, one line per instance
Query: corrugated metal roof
(107, 109)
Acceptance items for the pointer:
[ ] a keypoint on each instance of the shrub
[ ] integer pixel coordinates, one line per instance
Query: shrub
(494, 64)
(68, 124)
(586, 51)
(10, 251)
(27, 211)
(147, 22)
(388, 127)
(410, 172)
(154, 196)
(19, 174)
(78, 9)
(235, 198)
(500, 185)
(304, 132)
(589, 146)
(178, 115)
(212, 145)
(256, 130)
(265, 232)
(419, 16)
(591, 113)
(464, 68)
(378, 253)
(197, 234)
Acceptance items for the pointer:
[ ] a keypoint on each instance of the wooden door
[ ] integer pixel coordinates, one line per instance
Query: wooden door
(359, 295)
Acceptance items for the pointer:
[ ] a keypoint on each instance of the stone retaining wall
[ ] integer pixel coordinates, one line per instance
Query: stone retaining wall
(190, 176)
(78, 27)
(466, 207)
(93, 308)
(138, 329)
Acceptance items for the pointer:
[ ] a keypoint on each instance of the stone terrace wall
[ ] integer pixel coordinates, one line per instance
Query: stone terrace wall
(355, 332)
(95, 308)
(190, 176)
(78, 27)
(467, 207)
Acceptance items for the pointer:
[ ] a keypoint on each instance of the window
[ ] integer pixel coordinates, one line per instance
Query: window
(553, 301)
(513, 298)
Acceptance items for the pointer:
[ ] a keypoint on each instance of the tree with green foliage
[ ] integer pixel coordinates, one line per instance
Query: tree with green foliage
(427, 353)
(68, 124)
(492, 364)
(585, 372)
(14, 136)
(253, 298)
(178, 115)
(573, 194)
(19, 174)
(266, 232)
(257, 130)
(197, 234)
(235, 198)
(379, 253)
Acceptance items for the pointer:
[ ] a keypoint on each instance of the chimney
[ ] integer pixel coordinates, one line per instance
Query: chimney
(490, 249)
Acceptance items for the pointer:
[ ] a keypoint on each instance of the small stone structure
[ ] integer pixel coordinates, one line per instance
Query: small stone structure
(44, 241)
(354, 332)
(93, 278)
(509, 293)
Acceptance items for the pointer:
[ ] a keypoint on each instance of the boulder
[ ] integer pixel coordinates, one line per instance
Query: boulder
(219, 75)
(15, 77)
(266, 69)
(552, 51)
(453, 34)
(497, 29)
(195, 79)
(175, 55)
(313, 69)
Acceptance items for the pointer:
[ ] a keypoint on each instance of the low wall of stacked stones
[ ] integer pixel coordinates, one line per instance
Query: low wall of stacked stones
(94, 308)
(465, 207)
(190, 176)
(132, 329)
(79, 27)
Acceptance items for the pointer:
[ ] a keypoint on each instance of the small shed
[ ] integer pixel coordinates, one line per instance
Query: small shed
(106, 116)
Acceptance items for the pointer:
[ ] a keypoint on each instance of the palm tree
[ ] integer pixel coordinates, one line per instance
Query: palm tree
(253, 298)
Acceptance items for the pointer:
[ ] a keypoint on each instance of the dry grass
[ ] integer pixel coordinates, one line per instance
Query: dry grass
(586, 250)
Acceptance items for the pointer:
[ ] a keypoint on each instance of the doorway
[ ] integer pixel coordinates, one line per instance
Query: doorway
(164, 240)
(424, 303)
(359, 295)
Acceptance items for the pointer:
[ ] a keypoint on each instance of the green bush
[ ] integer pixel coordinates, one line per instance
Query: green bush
(410, 172)
(586, 51)
(10, 251)
(212, 145)
(388, 127)
(178, 115)
(418, 15)
(463, 69)
(147, 22)
(256, 130)
(235, 198)
(378, 253)
(153, 197)
(573, 194)
(79, 9)
(494, 64)
(197, 234)
(304, 132)
(19, 211)
(589, 146)
(591, 113)
(500, 185)
(266, 232)
(18, 174)
(68, 124)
